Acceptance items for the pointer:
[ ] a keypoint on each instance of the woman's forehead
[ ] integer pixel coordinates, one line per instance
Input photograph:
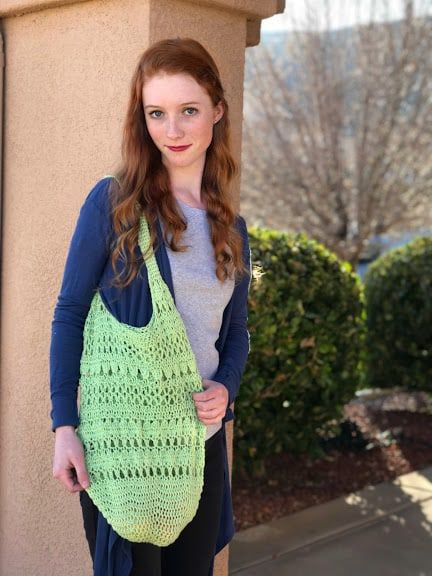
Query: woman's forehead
(173, 89)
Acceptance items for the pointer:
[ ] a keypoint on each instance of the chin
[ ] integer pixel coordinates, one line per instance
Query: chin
(183, 163)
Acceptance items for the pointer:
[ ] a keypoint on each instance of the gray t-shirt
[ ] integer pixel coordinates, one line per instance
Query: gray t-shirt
(200, 297)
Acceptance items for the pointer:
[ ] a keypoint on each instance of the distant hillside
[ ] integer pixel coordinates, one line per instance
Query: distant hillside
(278, 43)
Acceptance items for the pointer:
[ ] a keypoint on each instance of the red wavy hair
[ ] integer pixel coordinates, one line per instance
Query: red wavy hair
(141, 183)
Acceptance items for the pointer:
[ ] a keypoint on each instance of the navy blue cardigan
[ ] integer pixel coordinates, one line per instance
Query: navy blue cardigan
(88, 268)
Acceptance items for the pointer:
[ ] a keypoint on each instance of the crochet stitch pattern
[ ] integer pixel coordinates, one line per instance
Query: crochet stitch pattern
(144, 445)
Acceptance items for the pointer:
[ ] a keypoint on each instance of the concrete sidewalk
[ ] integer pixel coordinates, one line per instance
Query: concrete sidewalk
(383, 530)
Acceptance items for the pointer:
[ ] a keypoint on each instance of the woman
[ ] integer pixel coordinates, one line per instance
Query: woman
(176, 171)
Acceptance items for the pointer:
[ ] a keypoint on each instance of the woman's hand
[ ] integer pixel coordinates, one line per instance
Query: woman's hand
(211, 404)
(69, 465)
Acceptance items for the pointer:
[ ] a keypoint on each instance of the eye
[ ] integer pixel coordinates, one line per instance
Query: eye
(155, 112)
(194, 109)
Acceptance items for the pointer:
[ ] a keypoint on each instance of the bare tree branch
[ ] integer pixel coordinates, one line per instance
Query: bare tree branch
(338, 130)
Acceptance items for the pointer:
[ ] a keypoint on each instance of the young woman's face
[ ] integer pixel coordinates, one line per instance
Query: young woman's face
(179, 112)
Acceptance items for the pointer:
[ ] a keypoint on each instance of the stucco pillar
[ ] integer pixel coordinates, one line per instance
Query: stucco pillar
(67, 71)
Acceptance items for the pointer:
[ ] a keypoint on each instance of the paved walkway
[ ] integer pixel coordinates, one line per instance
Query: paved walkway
(383, 530)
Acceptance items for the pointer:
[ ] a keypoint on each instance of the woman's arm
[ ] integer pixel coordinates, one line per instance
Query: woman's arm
(87, 256)
(233, 357)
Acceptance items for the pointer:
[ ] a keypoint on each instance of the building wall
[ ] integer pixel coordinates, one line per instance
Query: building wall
(67, 72)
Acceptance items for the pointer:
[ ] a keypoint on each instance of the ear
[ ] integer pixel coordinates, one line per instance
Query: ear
(218, 112)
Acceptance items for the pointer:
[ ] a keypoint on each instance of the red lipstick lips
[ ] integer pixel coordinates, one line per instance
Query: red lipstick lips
(178, 148)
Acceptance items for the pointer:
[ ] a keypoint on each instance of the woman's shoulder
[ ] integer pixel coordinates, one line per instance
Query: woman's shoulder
(242, 228)
(241, 225)
(99, 194)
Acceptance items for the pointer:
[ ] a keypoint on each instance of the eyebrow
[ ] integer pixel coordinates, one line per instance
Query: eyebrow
(184, 104)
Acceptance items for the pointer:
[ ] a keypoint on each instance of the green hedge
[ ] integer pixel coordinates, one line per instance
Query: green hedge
(306, 321)
(398, 292)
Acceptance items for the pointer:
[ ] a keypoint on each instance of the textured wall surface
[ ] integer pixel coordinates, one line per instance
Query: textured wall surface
(66, 84)
(67, 75)
(253, 8)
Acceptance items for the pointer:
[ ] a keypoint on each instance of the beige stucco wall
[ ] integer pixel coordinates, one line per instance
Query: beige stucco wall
(67, 72)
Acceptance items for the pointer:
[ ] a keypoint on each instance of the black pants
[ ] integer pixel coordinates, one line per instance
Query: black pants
(192, 553)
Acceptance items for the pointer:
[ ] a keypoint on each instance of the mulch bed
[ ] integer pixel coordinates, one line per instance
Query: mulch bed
(382, 438)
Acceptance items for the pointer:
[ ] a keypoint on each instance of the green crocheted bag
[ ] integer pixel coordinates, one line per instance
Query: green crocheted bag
(144, 445)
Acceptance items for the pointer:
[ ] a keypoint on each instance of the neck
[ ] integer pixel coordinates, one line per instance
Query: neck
(186, 182)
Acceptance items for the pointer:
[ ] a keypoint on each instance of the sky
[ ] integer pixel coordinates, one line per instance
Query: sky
(343, 13)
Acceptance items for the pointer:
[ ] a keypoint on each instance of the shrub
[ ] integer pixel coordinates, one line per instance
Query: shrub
(306, 321)
(398, 293)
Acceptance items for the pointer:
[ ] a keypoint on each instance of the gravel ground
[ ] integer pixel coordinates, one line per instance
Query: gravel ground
(384, 436)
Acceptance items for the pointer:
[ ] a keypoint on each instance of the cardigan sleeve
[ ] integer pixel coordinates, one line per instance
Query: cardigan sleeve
(233, 357)
(88, 252)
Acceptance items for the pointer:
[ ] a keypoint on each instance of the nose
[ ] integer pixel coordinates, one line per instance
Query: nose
(173, 129)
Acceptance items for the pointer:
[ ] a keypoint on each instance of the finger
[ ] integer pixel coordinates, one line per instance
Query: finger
(214, 404)
(202, 408)
(200, 396)
(212, 392)
(211, 395)
(81, 473)
(208, 421)
(209, 414)
(68, 479)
